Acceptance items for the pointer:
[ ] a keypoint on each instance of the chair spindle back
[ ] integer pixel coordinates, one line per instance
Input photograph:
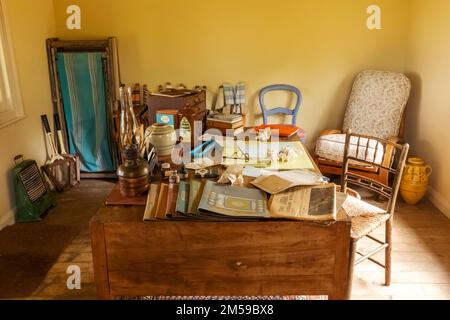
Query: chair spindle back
(377, 153)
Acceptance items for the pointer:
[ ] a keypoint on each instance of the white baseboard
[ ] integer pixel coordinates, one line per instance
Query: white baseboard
(439, 201)
(7, 219)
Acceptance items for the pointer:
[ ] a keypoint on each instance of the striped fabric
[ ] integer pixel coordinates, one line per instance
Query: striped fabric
(241, 93)
(229, 94)
(84, 97)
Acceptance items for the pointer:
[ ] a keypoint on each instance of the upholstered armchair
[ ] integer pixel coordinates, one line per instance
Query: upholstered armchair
(376, 108)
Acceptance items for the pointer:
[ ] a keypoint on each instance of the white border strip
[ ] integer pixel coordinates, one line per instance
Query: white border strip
(439, 201)
(16, 111)
(7, 219)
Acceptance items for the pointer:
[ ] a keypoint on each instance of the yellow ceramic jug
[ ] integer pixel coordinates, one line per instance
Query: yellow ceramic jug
(415, 180)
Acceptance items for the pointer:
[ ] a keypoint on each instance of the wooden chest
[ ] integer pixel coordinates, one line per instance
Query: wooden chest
(172, 258)
(157, 102)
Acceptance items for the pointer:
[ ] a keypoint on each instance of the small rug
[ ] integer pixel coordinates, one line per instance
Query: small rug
(231, 298)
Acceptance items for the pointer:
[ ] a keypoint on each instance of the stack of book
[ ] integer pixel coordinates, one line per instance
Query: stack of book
(195, 200)
(224, 122)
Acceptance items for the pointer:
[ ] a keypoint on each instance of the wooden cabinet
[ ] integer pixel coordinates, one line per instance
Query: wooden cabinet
(157, 103)
(170, 258)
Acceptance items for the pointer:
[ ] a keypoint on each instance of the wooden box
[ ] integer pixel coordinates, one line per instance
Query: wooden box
(134, 258)
(169, 117)
(157, 102)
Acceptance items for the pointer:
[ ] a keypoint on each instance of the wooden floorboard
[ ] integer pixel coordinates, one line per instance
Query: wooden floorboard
(421, 253)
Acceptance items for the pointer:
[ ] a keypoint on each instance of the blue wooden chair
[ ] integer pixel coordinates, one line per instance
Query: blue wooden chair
(282, 110)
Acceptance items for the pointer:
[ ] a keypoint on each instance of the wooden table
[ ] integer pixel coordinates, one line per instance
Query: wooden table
(133, 258)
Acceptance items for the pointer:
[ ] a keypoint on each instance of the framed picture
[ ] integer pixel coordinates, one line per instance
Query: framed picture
(169, 117)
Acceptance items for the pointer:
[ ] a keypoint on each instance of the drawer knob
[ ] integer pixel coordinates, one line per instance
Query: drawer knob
(240, 265)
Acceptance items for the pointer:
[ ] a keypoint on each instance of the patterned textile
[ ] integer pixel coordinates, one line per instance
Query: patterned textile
(241, 298)
(229, 94)
(84, 97)
(364, 216)
(377, 103)
(332, 147)
(241, 93)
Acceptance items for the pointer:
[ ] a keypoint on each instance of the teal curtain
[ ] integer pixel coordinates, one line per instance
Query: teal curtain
(84, 98)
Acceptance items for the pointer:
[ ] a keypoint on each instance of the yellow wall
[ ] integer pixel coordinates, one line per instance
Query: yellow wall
(30, 25)
(317, 45)
(428, 64)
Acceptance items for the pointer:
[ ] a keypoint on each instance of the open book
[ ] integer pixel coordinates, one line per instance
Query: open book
(234, 202)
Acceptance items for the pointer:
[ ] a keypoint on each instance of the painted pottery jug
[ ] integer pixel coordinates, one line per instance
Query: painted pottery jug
(415, 180)
(163, 137)
(133, 173)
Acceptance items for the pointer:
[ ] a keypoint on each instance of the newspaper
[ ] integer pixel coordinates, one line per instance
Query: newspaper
(281, 181)
(316, 203)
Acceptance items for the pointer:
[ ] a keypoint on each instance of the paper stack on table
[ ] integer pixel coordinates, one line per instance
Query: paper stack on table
(298, 194)
(276, 182)
(305, 203)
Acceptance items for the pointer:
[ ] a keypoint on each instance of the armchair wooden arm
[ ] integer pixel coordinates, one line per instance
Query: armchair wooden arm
(397, 140)
(389, 156)
(381, 175)
(390, 150)
(329, 132)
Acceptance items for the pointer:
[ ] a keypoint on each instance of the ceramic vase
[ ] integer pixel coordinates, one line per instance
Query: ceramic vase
(163, 137)
(415, 181)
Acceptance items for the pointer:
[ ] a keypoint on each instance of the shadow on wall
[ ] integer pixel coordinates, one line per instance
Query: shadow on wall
(254, 110)
(413, 110)
(8, 177)
(338, 105)
(413, 135)
(127, 47)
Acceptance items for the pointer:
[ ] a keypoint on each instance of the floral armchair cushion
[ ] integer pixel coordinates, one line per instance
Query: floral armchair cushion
(377, 102)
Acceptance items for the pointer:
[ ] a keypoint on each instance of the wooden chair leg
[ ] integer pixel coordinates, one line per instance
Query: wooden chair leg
(388, 253)
(352, 266)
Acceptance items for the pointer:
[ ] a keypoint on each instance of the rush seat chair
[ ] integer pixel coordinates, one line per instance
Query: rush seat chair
(366, 218)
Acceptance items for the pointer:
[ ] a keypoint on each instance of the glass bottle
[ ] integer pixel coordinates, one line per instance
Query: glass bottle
(174, 177)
